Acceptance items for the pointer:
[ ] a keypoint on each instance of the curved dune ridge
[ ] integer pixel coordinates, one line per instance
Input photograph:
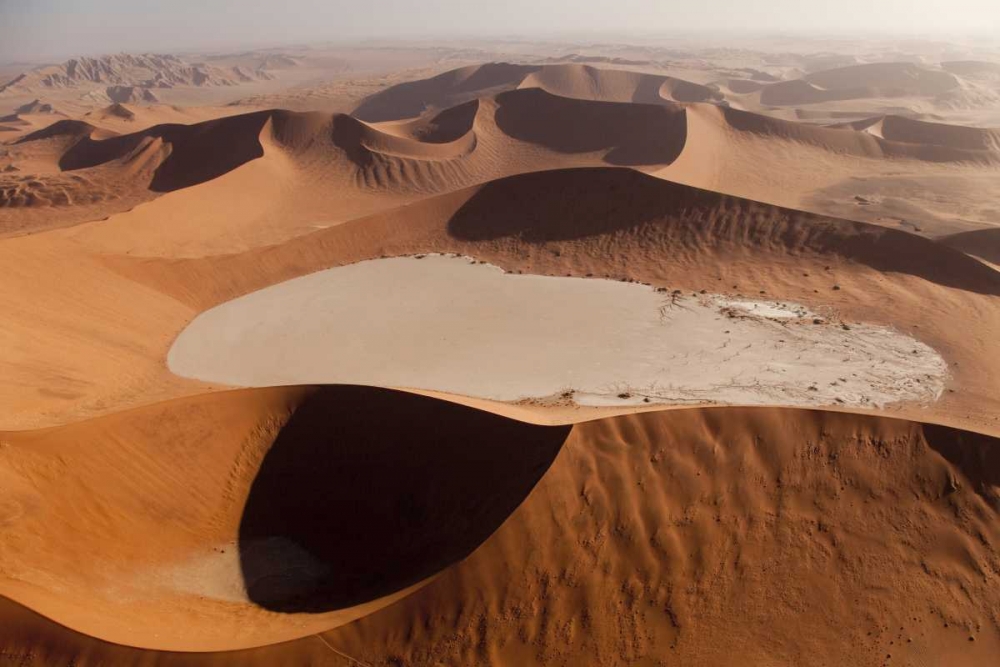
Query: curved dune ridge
(372, 166)
(885, 137)
(910, 131)
(872, 80)
(334, 502)
(982, 243)
(327, 487)
(411, 99)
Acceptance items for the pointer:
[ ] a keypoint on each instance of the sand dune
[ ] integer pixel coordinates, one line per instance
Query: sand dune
(907, 130)
(302, 509)
(895, 137)
(771, 517)
(982, 243)
(472, 143)
(871, 80)
(584, 82)
(785, 518)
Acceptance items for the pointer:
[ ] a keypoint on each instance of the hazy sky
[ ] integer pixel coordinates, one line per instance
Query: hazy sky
(56, 28)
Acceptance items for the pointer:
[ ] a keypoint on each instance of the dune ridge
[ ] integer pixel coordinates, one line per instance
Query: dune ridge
(785, 484)
(478, 141)
(575, 81)
(870, 80)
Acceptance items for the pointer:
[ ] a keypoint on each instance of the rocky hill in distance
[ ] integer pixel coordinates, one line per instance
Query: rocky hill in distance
(131, 70)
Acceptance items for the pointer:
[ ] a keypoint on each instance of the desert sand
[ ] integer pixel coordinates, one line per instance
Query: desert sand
(502, 354)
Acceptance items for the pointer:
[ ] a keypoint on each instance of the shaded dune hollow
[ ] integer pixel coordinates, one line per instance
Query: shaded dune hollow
(644, 534)
(378, 490)
(303, 508)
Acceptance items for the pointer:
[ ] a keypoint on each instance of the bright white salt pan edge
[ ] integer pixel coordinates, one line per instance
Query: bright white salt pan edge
(455, 325)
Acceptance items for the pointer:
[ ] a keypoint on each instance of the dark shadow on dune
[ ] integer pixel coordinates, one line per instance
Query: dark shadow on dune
(976, 456)
(567, 204)
(632, 134)
(682, 221)
(198, 153)
(983, 243)
(412, 98)
(367, 491)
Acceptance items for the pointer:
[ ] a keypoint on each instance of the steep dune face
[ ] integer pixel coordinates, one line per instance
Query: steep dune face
(413, 98)
(888, 137)
(911, 131)
(576, 81)
(700, 221)
(823, 534)
(302, 509)
(650, 532)
(634, 135)
(872, 80)
(608, 85)
(982, 243)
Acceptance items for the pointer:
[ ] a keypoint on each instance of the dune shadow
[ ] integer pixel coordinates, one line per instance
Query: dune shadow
(977, 456)
(197, 153)
(412, 98)
(984, 243)
(577, 203)
(366, 491)
(568, 204)
(632, 134)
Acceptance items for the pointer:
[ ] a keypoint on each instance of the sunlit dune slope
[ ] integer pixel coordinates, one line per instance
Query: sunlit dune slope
(248, 518)
(411, 99)
(851, 537)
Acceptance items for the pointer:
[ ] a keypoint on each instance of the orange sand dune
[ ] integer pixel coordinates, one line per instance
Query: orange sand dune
(364, 168)
(981, 243)
(894, 137)
(910, 131)
(871, 80)
(374, 167)
(648, 533)
(301, 510)
(411, 99)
